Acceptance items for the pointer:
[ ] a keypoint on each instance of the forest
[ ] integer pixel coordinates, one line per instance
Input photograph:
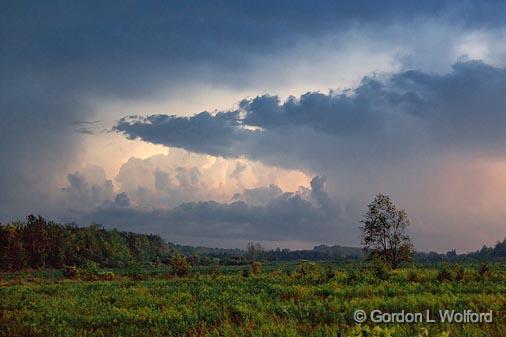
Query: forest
(37, 243)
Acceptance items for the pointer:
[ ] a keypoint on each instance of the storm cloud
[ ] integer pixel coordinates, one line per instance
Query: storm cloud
(284, 216)
(384, 120)
(63, 63)
(406, 134)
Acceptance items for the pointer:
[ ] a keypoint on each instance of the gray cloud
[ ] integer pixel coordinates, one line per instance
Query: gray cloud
(87, 189)
(259, 195)
(58, 56)
(284, 216)
(121, 200)
(399, 134)
(392, 119)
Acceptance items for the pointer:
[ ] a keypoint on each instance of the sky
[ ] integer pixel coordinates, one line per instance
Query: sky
(220, 123)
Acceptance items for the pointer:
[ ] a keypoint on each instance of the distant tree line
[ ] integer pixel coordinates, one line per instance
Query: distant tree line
(206, 256)
(37, 243)
(498, 252)
(254, 251)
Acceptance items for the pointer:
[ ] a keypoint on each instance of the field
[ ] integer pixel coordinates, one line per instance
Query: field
(299, 299)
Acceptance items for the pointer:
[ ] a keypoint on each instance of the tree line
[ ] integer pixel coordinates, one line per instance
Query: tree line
(37, 243)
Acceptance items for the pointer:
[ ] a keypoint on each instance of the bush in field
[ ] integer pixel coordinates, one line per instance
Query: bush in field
(91, 268)
(107, 276)
(330, 273)
(353, 277)
(413, 276)
(380, 269)
(311, 272)
(256, 267)
(444, 274)
(483, 271)
(459, 273)
(70, 271)
(306, 268)
(136, 272)
(180, 265)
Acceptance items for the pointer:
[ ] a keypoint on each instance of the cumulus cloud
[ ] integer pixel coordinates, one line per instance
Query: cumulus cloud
(284, 216)
(167, 180)
(87, 189)
(173, 195)
(259, 195)
(393, 133)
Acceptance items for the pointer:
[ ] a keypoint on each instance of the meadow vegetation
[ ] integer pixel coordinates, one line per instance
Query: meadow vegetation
(262, 299)
(64, 280)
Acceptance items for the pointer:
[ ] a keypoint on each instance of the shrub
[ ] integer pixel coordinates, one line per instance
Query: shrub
(136, 272)
(330, 273)
(107, 276)
(91, 269)
(306, 268)
(380, 269)
(459, 273)
(413, 276)
(180, 265)
(444, 274)
(70, 271)
(353, 277)
(483, 271)
(256, 267)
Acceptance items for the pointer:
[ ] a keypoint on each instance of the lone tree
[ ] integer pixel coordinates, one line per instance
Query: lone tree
(384, 232)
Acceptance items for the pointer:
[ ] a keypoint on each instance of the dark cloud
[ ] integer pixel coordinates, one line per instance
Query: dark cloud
(121, 200)
(214, 134)
(285, 216)
(59, 55)
(382, 120)
(259, 195)
(87, 189)
(405, 134)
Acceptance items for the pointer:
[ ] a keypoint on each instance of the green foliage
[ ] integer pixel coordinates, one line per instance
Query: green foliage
(91, 268)
(180, 265)
(366, 331)
(354, 276)
(380, 269)
(459, 273)
(413, 276)
(444, 274)
(38, 243)
(227, 304)
(107, 276)
(384, 232)
(483, 271)
(256, 267)
(330, 273)
(70, 271)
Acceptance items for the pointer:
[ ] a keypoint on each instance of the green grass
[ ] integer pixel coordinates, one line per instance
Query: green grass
(283, 300)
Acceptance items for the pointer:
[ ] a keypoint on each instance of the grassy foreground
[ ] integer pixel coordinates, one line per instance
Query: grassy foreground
(303, 300)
